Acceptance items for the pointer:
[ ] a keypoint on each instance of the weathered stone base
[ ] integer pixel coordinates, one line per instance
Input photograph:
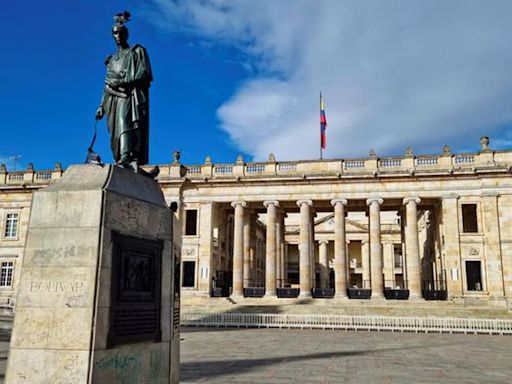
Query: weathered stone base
(63, 320)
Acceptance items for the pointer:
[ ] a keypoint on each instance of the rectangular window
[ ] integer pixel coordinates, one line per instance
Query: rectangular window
(6, 274)
(191, 222)
(189, 274)
(11, 226)
(469, 219)
(473, 275)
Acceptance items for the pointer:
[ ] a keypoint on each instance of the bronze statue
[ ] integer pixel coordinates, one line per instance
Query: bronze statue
(125, 99)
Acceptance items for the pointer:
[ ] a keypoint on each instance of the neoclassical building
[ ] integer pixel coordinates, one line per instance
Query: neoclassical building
(416, 227)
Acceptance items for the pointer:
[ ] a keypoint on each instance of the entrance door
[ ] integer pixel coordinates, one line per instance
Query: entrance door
(474, 275)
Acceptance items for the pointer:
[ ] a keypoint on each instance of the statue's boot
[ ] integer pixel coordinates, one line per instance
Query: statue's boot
(152, 173)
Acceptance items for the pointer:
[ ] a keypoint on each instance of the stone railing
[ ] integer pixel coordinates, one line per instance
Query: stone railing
(29, 176)
(407, 165)
(347, 322)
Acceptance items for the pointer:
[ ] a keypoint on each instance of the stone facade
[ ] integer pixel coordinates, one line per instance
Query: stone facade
(435, 225)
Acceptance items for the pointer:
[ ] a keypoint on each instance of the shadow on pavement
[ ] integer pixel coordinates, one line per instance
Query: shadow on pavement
(204, 369)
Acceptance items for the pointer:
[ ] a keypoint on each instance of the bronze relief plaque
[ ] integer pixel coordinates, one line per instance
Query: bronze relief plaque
(136, 286)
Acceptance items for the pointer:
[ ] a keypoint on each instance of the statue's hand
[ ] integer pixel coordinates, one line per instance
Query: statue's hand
(99, 113)
(114, 83)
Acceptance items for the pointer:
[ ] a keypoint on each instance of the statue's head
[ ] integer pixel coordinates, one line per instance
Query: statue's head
(119, 30)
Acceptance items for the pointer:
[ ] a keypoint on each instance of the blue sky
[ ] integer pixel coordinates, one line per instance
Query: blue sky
(243, 77)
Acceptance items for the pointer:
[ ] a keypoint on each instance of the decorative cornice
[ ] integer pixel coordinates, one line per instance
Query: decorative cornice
(490, 194)
(450, 196)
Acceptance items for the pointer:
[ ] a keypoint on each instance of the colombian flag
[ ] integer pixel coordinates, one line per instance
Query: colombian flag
(323, 124)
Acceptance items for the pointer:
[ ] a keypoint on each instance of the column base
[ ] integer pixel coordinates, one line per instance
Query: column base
(305, 294)
(270, 294)
(235, 296)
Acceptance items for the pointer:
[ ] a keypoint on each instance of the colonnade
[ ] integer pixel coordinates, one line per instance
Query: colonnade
(275, 257)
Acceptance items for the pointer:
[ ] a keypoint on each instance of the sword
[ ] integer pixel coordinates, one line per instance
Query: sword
(93, 157)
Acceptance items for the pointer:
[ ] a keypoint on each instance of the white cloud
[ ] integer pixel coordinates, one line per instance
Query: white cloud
(393, 73)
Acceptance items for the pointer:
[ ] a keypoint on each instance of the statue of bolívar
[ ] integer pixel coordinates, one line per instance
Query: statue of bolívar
(125, 99)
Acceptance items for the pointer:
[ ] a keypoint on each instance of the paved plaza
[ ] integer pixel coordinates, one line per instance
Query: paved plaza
(231, 355)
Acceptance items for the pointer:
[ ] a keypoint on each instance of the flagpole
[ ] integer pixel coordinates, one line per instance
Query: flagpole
(320, 105)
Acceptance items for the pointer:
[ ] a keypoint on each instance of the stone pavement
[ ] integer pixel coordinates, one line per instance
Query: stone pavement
(230, 355)
(277, 356)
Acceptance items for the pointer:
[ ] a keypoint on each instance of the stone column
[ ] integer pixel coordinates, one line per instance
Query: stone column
(375, 248)
(282, 247)
(238, 249)
(270, 260)
(304, 247)
(412, 247)
(203, 277)
(312, 249)
(247, 248)
(492, 245)
(452, 254)
(324, 264)
(389, 265)
(365, 261)
(257, 265)
(253, 253)
(279, 256)
(285, 263)
(340, 248)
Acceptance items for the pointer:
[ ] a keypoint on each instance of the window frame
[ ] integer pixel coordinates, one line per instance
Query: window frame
(183, 274)
(477, 218)
(11, 269)
(196, 232)
(5, 225)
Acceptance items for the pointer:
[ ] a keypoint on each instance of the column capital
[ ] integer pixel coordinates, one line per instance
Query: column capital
(335, 202)
(301, 202)
(323, 241)
(371, 200)
(266, 203)
(407, 200)
(234, 204)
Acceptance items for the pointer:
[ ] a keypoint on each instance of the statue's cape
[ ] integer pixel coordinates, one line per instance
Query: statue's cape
(139, 68)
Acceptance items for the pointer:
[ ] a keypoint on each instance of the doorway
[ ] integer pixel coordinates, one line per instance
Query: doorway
(474, 275)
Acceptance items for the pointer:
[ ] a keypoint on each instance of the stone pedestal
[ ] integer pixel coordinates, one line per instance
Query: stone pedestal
(94, 301)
